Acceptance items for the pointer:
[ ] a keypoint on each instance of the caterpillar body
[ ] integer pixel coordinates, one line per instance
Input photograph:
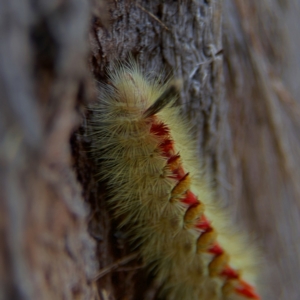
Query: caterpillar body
(147, 156)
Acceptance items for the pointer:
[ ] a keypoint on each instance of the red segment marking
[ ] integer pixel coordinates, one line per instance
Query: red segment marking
(173, 158)
(203, 224)
(167, 146)
(159, 129)
(179, 174)
(216, 249)
(190, 199)
(230, 273)
(182, 185)
(247, 290)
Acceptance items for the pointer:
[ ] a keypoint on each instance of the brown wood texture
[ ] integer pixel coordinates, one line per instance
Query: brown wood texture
(239, 65)
(261, 75)
(45, 250)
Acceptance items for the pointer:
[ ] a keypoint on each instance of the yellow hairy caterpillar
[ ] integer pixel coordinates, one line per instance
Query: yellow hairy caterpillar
(147, 157)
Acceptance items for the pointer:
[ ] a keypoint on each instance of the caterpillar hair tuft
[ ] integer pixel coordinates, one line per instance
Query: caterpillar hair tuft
(156, 187)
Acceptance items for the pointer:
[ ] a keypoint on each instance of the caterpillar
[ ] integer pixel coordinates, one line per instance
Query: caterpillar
(148, 159)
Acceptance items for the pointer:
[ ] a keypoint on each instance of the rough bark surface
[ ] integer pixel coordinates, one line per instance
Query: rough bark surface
(261, 73)
(45, 251)
(55, 232)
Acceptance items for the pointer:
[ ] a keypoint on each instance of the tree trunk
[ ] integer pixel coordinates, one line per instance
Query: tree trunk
(46, 251)
(261, 70)
(238, 63)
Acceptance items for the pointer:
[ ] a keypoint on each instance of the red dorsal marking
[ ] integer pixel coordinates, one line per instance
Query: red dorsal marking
(247, 290)
(216, 249)
(179, 174)
(190, 199)
(230, 273)
(173, 158)
(159, 129)
(203, 224)
(167, 146)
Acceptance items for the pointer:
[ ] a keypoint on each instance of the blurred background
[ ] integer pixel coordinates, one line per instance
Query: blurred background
(239, 64)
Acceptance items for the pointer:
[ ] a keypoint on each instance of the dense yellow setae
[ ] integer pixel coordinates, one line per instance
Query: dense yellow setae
(146, 154)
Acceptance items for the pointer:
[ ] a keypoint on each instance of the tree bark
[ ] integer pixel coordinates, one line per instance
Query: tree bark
(45, 251)
(261, 71)
(238, 62)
